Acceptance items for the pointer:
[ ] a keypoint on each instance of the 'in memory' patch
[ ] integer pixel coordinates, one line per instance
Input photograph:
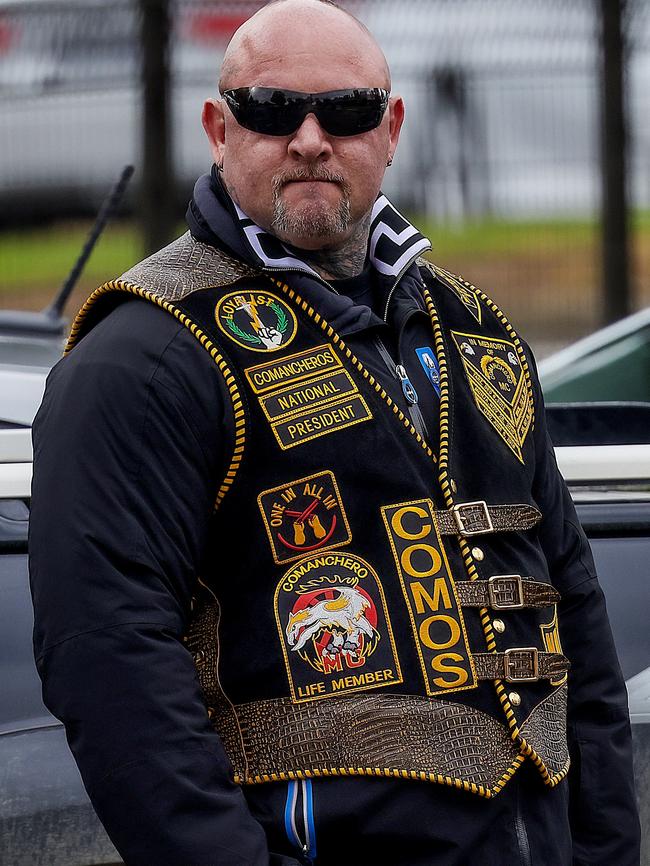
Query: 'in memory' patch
(498, 386)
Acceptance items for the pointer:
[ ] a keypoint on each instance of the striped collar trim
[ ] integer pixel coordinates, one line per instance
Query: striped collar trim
(393, 243)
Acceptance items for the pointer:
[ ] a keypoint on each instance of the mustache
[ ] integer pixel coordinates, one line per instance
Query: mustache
(315, 173)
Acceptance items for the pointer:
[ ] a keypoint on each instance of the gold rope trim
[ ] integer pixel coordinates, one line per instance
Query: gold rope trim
(208, 345)
(514, 336)
(338, 341)
(387, 772)
(472, 571)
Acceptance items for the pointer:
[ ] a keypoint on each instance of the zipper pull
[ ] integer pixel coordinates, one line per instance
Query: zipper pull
(407, 386)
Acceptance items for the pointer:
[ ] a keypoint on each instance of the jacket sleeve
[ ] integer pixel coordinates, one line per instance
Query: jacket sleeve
(127, 460)
(603, 811)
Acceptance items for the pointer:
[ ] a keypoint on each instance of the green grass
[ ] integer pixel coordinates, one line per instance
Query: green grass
(38, 260)
(490, 237)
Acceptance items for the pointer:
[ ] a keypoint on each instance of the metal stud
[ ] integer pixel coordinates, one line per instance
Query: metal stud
(499, 625)
(478, 554)
(514, 698)
(454, 486)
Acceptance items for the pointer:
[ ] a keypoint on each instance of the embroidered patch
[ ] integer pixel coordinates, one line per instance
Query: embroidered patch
(430, 594)
(429, 362)
(334, 628)
(256, 320)
(327, 419)
(303, 516)
(498, 386)
(292, 368)
(551, 637)
(307, 395)
(463, 292)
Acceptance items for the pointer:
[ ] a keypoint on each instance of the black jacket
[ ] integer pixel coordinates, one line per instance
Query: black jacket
(134, 437)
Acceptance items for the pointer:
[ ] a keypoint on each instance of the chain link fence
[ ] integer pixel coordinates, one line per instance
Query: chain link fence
(499, 160)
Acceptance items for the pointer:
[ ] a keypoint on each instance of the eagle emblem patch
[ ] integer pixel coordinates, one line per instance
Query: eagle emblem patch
(498, 386)
(256, 319)
(334, 627)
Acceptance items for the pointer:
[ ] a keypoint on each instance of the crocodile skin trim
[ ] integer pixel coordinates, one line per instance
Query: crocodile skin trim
(505, 518)
(545, 731)
(376, 732)
(474, 593)
(367, 734)
(184, 267)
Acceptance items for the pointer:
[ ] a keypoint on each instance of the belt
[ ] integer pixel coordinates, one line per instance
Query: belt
(478, 518)
(520, 665)
(506, 592)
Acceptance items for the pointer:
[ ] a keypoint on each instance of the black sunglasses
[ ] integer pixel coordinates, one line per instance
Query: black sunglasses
(273, 111)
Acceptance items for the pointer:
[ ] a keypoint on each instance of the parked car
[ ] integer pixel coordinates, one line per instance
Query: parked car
(45, 815)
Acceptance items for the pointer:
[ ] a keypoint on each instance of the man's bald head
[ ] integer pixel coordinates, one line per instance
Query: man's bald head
(284, 28)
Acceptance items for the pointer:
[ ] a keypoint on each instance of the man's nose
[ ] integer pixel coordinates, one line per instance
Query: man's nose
(310, 141)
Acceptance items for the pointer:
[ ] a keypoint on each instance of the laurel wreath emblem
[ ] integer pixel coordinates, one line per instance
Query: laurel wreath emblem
(282, 325)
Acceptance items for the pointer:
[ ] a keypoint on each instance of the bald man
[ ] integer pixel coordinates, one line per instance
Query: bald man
(316, 592)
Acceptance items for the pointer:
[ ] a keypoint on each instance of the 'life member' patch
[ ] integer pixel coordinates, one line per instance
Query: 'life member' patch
(334, 627)
(304, 516)
(498, 386)
(256, 319)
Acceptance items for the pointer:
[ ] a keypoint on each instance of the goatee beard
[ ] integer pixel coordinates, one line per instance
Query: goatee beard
(296, 223)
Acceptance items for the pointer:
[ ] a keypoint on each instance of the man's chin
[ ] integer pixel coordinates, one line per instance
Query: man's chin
(311, 228)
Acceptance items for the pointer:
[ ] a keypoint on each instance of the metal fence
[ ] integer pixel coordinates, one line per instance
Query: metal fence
(499, 159)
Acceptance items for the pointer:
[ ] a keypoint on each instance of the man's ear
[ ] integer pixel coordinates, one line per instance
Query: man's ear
(215, 128)
(395, 120)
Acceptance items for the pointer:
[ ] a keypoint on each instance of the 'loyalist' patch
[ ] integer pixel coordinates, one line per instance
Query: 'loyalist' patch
(256, 320)
(498, 386)
(334, 627)
(431, 599)
(303, 516)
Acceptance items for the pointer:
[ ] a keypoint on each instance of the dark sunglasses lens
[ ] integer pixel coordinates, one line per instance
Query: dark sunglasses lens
(350, 115)
(271, 111)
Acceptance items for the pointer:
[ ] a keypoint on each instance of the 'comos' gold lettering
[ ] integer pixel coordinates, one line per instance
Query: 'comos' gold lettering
(430, 594)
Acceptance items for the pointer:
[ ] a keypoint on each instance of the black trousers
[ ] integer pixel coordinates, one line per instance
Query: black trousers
(384, 822)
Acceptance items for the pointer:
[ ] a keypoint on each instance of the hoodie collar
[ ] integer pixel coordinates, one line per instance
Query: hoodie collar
(394, 242)
(394, 245)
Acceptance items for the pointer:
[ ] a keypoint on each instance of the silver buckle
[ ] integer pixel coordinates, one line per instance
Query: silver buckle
(473, 518)
(506, 592)
(521, 665)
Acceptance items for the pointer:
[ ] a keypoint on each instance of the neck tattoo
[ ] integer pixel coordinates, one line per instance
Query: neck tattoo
(344, 261)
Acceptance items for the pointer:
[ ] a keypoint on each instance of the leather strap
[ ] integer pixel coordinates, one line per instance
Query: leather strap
(506, 592)
(520, 665)
(478, 518)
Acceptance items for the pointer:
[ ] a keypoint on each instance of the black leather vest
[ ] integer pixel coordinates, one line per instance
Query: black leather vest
(346, 623)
